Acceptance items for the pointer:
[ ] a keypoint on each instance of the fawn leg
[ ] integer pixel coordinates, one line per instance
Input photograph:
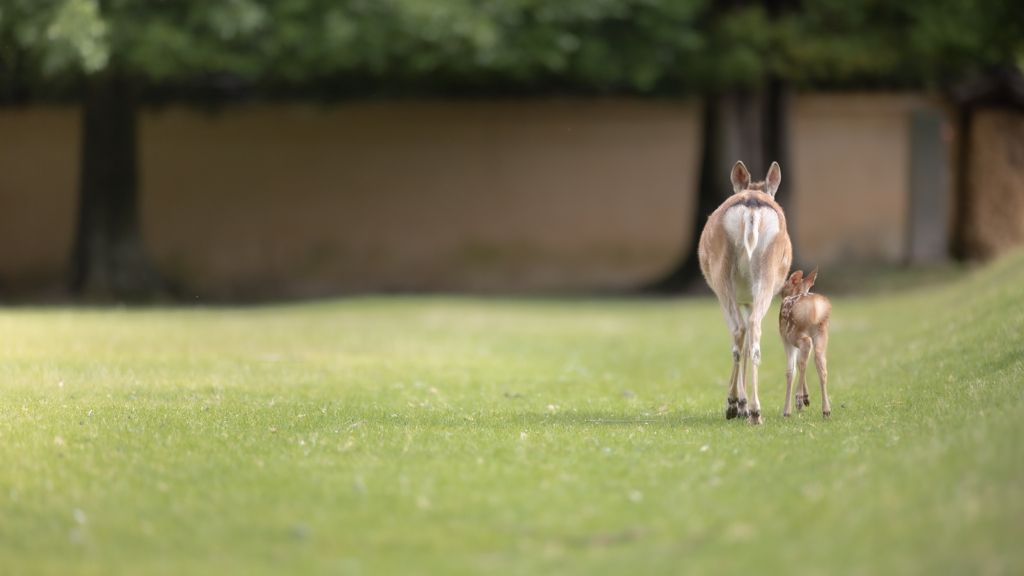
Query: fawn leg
(820, 344)
(804, 354)
(803, 397)
(791, 353)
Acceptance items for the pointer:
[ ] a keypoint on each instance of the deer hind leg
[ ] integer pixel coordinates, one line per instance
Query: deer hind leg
(804, 353)
(762, 300)
(791, 354)
(820, 344)
(732, 401)
(744, 370)
(734, 318)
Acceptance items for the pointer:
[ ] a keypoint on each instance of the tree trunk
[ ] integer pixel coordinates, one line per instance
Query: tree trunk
(109, 261)
(733, 128)
(777, 149)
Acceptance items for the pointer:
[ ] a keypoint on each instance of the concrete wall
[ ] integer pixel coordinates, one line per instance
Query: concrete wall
(851, 177)
(507, 196)
(562, 195)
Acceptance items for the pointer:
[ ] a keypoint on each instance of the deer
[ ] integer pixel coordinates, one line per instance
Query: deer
(803, 324)
(745, 254)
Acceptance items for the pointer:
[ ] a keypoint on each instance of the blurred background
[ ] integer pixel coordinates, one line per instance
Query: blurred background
(241, 150)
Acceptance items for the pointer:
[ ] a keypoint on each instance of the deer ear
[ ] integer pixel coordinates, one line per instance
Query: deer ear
(795, 277)
(809, 281)
(772, 181)
(740, 177)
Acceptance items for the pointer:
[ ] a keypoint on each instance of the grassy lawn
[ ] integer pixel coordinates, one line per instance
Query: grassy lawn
(461, 435)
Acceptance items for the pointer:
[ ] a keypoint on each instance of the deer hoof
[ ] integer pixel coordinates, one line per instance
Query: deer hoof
(743, 408)
(755, 417)
(825, 415)
(807, 400)
(731, 412)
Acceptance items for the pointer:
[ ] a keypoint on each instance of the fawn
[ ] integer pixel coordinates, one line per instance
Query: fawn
(745, 253)
(803, 323)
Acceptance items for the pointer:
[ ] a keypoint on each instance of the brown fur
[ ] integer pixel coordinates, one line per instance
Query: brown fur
(746, 278)
(803, 324)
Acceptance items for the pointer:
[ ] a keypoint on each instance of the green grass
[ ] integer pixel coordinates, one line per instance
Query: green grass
(461, 435)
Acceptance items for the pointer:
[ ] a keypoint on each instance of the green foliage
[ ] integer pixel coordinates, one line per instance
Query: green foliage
(606, 45)
(466, 436)
(75, 36)
(635, 46)
(896, 43)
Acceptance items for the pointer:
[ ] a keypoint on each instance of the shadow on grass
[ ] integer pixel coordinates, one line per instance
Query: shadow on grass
(536, 420)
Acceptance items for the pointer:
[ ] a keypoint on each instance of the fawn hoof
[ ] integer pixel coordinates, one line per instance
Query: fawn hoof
(743, 408)
(755, 417)
(825, 415)
(731, 411)
(802, 401)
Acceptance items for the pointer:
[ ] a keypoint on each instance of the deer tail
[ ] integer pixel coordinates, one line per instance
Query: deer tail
(751, 222)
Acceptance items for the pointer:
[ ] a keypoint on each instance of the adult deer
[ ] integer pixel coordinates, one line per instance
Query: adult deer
(745, 255)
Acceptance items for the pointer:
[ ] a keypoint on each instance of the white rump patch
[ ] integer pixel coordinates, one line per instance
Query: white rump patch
(750, 231)
(769, 228)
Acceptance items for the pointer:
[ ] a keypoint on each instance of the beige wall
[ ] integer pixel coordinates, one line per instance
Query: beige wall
(851, 177)
(558, 195)
(39, 158)
(507, 196)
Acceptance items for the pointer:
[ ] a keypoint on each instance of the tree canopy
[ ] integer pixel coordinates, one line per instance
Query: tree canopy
(893, 43)
(419, 46)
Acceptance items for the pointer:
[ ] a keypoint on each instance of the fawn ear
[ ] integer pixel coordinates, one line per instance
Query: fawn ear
(740, 177)
(772, 181)
(795, 279)
(809, 281)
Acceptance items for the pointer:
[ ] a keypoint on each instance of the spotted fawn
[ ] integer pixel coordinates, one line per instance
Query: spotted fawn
(803, 323)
